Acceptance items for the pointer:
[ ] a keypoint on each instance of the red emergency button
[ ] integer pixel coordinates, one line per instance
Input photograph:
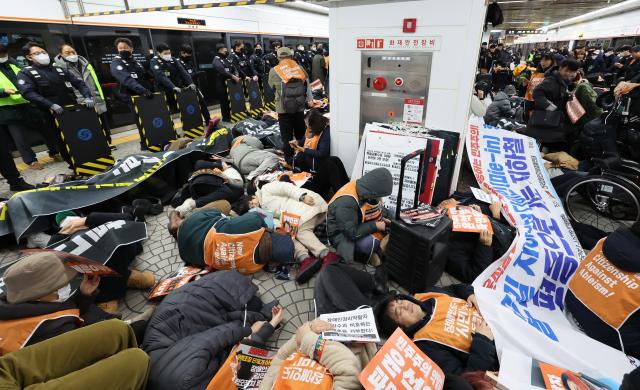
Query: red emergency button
(399, 81)
(379, 83)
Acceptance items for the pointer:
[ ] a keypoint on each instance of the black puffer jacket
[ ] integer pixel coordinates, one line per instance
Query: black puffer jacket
(553, 91)
(195, 327)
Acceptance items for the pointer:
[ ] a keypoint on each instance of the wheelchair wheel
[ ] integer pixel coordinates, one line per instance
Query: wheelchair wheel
(604, 202)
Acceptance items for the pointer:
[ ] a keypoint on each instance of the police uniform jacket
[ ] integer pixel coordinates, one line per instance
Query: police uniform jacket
(241, 63)
(224, 69)
(131, 76)
(169, 74)
(48, 85)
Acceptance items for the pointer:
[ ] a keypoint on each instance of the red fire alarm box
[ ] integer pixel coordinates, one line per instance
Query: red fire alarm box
(409, 25)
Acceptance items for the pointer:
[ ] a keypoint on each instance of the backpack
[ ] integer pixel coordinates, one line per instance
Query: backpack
(294, 96)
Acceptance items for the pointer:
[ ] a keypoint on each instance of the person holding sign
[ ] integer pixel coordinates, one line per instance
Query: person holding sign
(604, 292)
(445, 324)
(356, 220)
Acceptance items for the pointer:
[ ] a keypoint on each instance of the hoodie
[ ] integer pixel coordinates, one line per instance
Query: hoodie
(621, 249)
(344, 217)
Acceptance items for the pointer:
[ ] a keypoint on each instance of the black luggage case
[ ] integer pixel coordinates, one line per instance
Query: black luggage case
(416, 255)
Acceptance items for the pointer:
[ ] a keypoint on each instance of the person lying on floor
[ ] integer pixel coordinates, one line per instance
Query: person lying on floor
(283, 197)
(210, 239)
(194, 328)
(456, 343)
(249, 156)
(356, 220)
(99, 356)
(331, 364)
(209, 182)
(111, 289)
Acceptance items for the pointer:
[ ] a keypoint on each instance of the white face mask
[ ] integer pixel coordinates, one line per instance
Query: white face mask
(166, 57)
(3, 60)
(72, 58)
(64, 293)
(42, 59)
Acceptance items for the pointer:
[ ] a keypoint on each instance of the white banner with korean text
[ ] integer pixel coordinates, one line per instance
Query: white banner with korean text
(522, 294)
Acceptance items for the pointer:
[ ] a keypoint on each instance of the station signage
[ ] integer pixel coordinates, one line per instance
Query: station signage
(519, 31)
(192, 22)
(398, 43)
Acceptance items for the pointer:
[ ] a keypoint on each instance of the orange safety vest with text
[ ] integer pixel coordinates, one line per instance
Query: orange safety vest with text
(452, 322)
(368, 211)
(224, 251)
(225, 375)
(15, 334)
(536, 79)
(312, 143)
(289, 69)
(298, 372)
(613, 295)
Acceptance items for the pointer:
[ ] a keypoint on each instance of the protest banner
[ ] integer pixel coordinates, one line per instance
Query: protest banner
(289, 224)
(175, 280)
(253, 360)
(481, 195)
(354, 325)
(28, 212)
(78, 263)
(522, 294)
(400, 364)
(466, 219)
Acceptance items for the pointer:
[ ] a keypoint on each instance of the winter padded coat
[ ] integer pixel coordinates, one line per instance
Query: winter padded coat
(194, 328)
(281, 196)
(500, 108)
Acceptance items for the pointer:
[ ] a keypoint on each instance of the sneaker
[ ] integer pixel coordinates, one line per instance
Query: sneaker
(113, 147)
(330, 258)
(36, 166)
(141, 280)
(309, 267)
(20, 185)
(110, 307)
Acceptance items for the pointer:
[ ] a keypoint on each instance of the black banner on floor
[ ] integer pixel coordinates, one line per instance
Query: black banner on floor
(154, 121)
(237, 103)
(190, 115)
(255, 95)
(85, 140)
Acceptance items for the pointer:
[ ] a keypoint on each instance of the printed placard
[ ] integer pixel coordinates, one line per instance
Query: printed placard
(252, 362)
(466, 219)
(289, 223)
(354, 325)
(78, 263)
(400, 364)
(482, 196)
(175, 280)
(413, 111)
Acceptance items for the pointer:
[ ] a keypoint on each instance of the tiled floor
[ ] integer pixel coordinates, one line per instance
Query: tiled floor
(160, 256)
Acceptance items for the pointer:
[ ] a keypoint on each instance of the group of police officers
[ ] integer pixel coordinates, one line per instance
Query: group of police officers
(42, 89)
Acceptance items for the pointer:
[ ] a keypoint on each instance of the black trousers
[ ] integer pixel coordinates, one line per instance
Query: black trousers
(329, 178)
(340, 287)
(53, 137)
(291, 125)
(106, 125)
(8, 168)
(223, 98)
(204, 109)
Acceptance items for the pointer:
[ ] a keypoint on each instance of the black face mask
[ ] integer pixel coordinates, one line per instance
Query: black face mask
(258, 52)
(125, 54)
(222, 55)
(186, 58)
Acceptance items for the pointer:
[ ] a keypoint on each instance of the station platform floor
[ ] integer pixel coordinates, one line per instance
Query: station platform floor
(160, 255)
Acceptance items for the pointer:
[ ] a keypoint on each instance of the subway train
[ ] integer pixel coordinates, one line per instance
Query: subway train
(96, 44)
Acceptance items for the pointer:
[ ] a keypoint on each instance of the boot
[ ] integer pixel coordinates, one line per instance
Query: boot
(20, 185)
(110, 307)
(141, 280)
(380, 281)
(330, 258)
(309, 267)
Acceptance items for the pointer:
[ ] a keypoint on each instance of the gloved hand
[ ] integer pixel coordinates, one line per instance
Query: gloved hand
(177, 90)
(148, 94)
(192, 86)
(89, 103)
(57, 109)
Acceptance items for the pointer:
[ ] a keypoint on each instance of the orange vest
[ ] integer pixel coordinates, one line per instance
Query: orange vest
(289, 69)
(536, 79)
(608, 292)
(452, 322)
(15, 334)
(224, 251)
(368, 211)
(312, 143)
(225, 375)
(298, 372)
(237, 141)
(326, 62)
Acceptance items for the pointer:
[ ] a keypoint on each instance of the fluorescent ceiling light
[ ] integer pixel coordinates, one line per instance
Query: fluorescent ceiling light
(496, 30)
(620, 7)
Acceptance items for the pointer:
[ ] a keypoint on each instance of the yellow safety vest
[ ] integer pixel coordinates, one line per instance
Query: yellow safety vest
(95, 80)
(5, 83)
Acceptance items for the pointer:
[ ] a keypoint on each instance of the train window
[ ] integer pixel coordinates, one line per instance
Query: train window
(204, 47)
(174, 39)
(295, 41)
(267, 41)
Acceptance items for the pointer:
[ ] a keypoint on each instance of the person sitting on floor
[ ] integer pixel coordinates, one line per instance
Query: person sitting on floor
(99, 356)
(311, 151)
(355, 217)
(249, 156)
(613, 317)
(426, 317)
(210, 239)
(282, 197)
(500, 107)
(209, 182)
(193, 329)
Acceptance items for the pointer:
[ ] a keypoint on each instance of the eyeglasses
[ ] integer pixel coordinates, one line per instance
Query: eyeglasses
(38, 53)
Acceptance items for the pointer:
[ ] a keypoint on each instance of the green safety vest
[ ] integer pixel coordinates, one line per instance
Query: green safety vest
(5, 83)
(95, 80)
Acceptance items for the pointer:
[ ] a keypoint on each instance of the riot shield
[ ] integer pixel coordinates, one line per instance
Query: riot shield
(154, 121)
(190, 115)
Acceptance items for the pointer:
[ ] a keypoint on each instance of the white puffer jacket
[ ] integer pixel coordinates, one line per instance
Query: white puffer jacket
(281, 196)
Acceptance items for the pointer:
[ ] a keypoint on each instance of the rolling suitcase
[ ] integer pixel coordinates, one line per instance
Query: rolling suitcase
(416, 255)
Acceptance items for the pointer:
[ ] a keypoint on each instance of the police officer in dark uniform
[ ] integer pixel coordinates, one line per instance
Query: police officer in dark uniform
(131, 76)
(50, 88)
(256, 60)
(241, 62)
(225, 70)
(186, 60)
(271, 58)
(169, 74)
(302, 58)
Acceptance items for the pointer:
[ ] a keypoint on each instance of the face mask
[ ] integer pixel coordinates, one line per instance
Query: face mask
(222, 55)
(72, 58)
(608, 54)
(3, 60)
(186, 58)
(301, 49)
(42, 59)
(125, 54)
(258, 52)
(64, 293)
(166, 57)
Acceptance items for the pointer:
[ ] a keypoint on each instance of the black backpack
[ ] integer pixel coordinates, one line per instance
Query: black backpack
(294, 96)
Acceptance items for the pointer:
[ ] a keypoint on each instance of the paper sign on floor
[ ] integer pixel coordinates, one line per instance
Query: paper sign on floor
(355, 325)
